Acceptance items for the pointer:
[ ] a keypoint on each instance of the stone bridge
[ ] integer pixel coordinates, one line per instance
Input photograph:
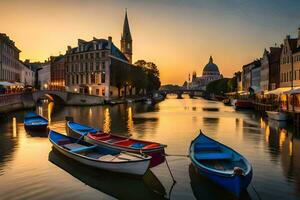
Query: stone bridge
(180, 92)
(67, 98)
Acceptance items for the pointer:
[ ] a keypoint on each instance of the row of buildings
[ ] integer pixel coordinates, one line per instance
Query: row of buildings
(85, 68)
(277, 70)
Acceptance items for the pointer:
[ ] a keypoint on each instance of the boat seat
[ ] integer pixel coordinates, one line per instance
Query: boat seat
(206, 147)
(76, 148)
(137, 145)
(111, 158)
(61, 142)
(213, 156)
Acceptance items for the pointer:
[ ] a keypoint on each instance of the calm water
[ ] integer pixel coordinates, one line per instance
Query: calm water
(29, 169)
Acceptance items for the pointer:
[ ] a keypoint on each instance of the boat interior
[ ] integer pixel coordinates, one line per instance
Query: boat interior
(120, 141)
(92, 151)
(217, 157)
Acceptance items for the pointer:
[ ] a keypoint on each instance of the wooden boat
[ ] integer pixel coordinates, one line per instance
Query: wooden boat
(243, 104)
(35, 122)
(113, 184)
(221, 164)
(121, 143)
(279, 116)
(99, 157)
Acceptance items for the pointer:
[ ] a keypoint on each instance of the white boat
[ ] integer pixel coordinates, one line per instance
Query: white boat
(102, 158)
(279, 116)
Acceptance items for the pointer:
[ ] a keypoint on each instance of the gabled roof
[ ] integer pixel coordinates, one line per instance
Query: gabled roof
(102, 44)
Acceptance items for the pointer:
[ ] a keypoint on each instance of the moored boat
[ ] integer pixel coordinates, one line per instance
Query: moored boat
(99, 157)
(242, 104)
(221, 164)
(279, 116)
(121, 143)
(35, 122)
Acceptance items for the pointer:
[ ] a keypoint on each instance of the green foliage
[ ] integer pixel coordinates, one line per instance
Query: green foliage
(142, 76)
(218, 87)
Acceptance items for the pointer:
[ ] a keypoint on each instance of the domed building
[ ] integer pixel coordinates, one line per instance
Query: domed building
(210, 73)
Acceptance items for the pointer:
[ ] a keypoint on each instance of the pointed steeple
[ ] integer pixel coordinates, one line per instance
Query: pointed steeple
(126, 40)
(126, 30)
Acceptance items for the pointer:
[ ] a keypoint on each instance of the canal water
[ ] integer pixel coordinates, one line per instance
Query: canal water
(30, 169)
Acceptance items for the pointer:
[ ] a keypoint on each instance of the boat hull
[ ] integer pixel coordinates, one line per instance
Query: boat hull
(133, 167)
(278, 116)
(234, 184)
(243, 104)
(36, 127)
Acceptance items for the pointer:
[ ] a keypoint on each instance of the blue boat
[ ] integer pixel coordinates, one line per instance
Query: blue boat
(221, 164)
(35, 122)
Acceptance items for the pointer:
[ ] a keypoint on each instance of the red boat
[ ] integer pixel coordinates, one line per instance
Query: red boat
(242, 104)
(121, 143)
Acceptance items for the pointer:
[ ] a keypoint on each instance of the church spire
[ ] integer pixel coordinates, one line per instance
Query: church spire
(126, 39)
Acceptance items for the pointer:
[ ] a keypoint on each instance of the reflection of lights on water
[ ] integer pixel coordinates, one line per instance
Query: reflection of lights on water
(90, 113)
(262, 123)
(267, 133)
(40, 110)
(291, 147)
(282, 137)
(129, 118)
(50, 109)
(14, 127)
(107, 120)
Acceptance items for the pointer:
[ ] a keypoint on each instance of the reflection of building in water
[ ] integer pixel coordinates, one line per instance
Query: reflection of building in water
(290, 160)
(107, 121)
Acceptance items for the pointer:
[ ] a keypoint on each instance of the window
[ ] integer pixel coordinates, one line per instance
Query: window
(93, 78)
(91, 66)
(103, 54)
(102, 77)
(86, 67)
(87, 79)
(97, 66)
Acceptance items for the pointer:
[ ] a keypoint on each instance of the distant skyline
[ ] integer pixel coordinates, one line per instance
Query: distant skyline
(177, 35)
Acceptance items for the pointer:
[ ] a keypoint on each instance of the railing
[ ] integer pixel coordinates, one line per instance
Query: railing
(8, 99)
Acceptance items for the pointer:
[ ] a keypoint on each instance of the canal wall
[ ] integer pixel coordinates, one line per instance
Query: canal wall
(12, 102)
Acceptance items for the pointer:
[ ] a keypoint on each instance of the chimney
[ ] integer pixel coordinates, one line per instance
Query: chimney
(109, 42)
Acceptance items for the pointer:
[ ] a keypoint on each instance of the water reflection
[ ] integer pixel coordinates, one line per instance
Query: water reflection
(204, 188)
(107, 123)
(113, 184)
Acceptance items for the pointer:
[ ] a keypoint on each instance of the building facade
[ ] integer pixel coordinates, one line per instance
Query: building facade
(290, 62)
(88, 66)
(247, 76)
(255, 77)
(264, 71)
(57, 72)
(44, 76)
(10, 66)
(210, 73)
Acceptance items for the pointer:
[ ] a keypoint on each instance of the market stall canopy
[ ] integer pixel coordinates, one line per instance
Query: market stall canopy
(296, 90)
(6, 84)
(279, 91)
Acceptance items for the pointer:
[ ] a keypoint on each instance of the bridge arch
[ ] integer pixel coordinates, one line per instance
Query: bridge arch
(58, 97)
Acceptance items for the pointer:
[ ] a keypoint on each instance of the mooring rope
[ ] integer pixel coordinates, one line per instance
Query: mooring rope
(257, 194)
(179, 155)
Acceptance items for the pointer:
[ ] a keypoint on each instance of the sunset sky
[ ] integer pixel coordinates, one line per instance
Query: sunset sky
(178, 35)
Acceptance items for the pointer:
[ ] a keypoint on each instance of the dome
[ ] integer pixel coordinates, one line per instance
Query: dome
(211, 67)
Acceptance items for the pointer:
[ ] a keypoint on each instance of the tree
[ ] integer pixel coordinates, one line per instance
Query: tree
(218, 87)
